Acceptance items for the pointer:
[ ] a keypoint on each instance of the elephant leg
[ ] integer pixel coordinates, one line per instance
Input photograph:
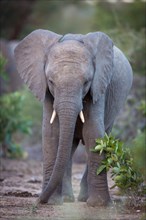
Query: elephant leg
(98, 194)
(50, 136)
(67, 189)
(109, 129)
(83, 195)
(93, 128)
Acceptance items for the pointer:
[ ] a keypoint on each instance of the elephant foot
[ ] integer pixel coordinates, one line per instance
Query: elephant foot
(68, 198)
(67, 192)
(82, 197)
(98, 201)
(55, 200)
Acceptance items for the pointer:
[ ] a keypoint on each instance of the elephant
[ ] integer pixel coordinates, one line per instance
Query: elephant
(83, 82)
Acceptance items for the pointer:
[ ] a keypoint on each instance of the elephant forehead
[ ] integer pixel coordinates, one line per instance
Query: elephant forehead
(71, 51)
(66, 70)
(69, 59)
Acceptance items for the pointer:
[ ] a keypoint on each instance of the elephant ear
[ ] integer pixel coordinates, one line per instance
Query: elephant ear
(30, 59)
(101, 47)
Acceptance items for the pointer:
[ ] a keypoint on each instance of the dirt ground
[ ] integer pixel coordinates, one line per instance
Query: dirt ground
(20, 184)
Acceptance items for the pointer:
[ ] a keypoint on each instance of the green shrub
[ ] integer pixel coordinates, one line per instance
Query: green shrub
(33, 108)
(119, 159)
(138, 151)
(3, 62)
(142, 108)
(11, 121)
(12, 118)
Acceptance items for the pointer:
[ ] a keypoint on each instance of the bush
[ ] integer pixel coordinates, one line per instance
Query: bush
(32, 108)
(142, 108)
(11, 121)
(127, 174)
(3, 62)
(119, 159)
(139, 152)
(138, 144)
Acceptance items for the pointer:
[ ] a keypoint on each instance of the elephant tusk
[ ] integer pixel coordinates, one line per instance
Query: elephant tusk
(53, 116)
(82, 117)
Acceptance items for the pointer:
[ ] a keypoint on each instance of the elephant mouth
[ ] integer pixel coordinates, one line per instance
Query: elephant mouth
(54, 115)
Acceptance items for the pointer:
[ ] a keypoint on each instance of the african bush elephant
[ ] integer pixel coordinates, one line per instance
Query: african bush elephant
(84, 80)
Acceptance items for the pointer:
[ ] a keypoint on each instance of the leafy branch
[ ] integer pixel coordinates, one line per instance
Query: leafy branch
(119, 160)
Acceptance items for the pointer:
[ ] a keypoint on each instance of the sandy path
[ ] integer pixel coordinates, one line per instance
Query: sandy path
(20, 183)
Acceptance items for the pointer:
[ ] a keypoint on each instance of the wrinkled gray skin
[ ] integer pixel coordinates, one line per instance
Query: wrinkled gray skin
(72, 73)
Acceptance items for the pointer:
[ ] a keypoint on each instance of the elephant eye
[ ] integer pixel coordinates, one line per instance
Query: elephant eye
(86, 87)
(51, 82)
(51, 86)
(86, 83)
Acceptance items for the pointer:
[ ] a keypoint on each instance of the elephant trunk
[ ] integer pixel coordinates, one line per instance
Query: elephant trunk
(67, 120)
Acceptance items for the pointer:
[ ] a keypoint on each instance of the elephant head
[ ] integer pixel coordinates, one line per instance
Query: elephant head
(68, 67)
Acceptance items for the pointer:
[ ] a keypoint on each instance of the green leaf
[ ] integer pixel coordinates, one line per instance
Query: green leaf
(98, 147)
(116, 170)
(100, 169)
(109, 149)
(93, 150)
(110, 161)
(118, 164)
(101, 151)
(106, 137)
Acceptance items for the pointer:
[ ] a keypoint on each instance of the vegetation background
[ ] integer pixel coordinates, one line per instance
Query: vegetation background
(21, 113)
(123, 21)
